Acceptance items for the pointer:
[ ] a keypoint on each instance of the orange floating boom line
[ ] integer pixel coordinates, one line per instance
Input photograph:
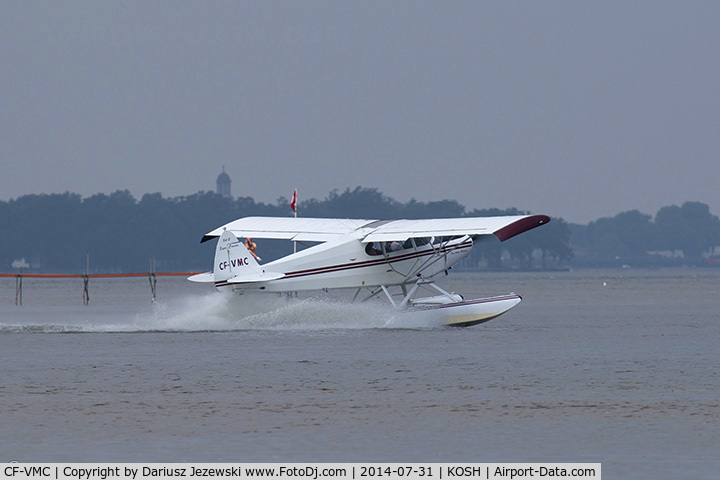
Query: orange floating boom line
(96, 275)
(38, 275)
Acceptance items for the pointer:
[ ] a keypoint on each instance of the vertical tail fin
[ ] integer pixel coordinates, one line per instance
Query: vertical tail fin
(232, 258)
(235, 264)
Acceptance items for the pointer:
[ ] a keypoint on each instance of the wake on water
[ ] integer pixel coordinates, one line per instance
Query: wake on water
(209, 312)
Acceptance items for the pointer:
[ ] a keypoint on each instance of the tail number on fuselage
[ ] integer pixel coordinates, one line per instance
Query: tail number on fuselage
(235, 262)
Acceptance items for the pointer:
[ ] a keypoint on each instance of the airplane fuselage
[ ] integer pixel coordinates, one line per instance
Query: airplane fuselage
(348, 263)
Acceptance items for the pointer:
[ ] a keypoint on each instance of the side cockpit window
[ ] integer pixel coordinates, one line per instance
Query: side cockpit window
(378, 248)
(420, 241)
(373, 249)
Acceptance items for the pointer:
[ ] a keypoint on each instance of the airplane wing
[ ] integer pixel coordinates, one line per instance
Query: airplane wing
(289, 228)
(502, 227)
(324, 229)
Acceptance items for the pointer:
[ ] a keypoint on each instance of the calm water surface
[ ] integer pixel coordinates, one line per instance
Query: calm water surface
(618, 367)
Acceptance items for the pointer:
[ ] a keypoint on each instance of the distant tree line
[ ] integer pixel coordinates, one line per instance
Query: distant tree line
(57, 232)
(685, 235)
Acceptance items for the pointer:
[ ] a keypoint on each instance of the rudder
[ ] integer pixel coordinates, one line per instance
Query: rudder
(232, 259)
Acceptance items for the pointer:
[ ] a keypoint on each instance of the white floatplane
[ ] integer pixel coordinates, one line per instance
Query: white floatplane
(370, 255)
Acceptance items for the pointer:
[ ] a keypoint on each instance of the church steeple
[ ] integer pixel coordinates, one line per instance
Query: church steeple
(223, 184)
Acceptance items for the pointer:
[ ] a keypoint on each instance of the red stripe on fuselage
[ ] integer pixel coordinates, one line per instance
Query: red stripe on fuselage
(372, 263)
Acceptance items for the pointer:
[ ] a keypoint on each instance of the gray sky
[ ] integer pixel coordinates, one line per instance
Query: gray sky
(574, 109)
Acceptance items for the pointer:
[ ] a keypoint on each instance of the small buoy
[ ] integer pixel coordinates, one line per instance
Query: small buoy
(604, 284)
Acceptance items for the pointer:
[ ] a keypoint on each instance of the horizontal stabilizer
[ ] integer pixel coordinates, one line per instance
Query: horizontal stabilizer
(207, 277)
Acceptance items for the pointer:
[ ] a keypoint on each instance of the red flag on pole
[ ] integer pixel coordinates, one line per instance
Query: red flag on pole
(293, 202)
